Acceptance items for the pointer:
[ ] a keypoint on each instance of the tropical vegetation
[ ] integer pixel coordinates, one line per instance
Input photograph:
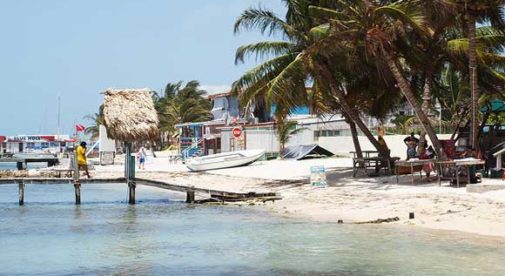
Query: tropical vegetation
(96, 120)
(180, 104)
(365, 58)
(285, 130)
(176, 104)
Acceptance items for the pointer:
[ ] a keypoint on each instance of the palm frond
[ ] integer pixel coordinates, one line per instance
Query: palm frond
(263, 49)
(264, 20)
(405, 11)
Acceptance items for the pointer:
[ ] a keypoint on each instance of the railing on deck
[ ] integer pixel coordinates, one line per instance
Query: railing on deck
(192, 150)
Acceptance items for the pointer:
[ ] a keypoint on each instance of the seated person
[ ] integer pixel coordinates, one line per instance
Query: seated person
(427, 153)
(472, 169)
(383, 153)
(411, 143)
(384, 146)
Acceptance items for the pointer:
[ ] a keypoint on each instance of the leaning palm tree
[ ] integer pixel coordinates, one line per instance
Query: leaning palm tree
(383, 29)
(293, 62)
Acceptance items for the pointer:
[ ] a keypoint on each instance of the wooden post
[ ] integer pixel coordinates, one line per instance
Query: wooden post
(77, 187)
(131, 192)
(75, 166)
(77, 182)
(21, 192)
(190, 196)
(130, 173)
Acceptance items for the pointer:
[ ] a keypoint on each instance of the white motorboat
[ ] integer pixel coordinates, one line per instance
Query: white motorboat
(224, 160)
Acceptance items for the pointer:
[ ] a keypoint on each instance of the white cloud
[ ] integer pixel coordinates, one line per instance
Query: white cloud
(216, 89)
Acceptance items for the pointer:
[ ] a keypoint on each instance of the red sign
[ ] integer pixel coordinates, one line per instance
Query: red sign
(237, 132)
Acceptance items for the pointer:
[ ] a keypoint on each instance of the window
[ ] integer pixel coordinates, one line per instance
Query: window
(326, 133)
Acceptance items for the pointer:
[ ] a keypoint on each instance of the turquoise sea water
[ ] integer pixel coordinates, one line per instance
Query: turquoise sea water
(49, 235)
(12, 166)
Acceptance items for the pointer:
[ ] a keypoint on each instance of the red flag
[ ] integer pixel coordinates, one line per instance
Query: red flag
(79, 128)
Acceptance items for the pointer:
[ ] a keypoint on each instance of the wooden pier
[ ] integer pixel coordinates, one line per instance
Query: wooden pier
(24, 160)
(209, 194)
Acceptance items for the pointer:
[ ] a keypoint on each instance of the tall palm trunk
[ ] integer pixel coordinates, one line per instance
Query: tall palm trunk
(339, 94)
(426, 108)
(474, 89)
(411, 98)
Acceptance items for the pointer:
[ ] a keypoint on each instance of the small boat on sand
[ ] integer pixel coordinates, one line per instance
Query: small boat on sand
(224, 160)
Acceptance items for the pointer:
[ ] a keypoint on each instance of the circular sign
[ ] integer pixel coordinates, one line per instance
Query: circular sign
(237, 132)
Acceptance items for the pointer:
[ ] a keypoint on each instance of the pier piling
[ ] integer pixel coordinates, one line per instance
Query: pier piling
(190, 196)
(77, 187)
(130, 173)
(21, 165)
(21, 192)
(131, 192)
(77, 182)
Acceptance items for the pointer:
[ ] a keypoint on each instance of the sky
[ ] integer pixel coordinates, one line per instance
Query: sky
(73, 50)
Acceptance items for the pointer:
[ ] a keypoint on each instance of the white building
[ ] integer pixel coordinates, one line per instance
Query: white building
(263, 135)
(37, 143)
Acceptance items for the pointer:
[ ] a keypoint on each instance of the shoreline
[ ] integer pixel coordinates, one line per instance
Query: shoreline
(345, 198)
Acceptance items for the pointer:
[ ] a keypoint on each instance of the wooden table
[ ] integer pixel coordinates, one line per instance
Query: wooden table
(365, 163)
(454, 167)
(412, 163)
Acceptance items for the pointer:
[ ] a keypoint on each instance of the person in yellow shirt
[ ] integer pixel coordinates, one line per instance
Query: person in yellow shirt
(82, 162)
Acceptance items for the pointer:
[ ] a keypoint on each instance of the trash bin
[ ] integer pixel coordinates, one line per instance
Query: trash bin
(496, 173)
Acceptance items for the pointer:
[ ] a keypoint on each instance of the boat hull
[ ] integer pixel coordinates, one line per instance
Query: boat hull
(224, 160)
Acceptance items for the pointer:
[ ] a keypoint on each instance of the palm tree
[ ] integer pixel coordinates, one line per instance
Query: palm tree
(97, 120)
(285, 130)
(383, 30)
(180, 104)
(294, 61)
(479, 11)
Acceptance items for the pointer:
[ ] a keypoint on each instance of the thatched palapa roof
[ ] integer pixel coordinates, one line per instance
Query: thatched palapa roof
(129, 115)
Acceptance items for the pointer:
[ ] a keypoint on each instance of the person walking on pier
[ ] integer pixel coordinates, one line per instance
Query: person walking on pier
(82, 161)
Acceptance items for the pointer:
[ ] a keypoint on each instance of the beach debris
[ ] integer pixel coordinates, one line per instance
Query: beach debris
(377, 221)
(411, 215)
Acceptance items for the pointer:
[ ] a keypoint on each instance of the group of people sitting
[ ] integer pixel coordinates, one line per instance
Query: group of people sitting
(423, 152)
(412, 143)
(427, 152)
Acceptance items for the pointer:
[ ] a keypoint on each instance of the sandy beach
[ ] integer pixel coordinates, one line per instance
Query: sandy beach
(346, 198)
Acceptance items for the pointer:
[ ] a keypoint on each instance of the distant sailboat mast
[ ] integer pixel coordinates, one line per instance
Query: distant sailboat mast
(59, 113)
